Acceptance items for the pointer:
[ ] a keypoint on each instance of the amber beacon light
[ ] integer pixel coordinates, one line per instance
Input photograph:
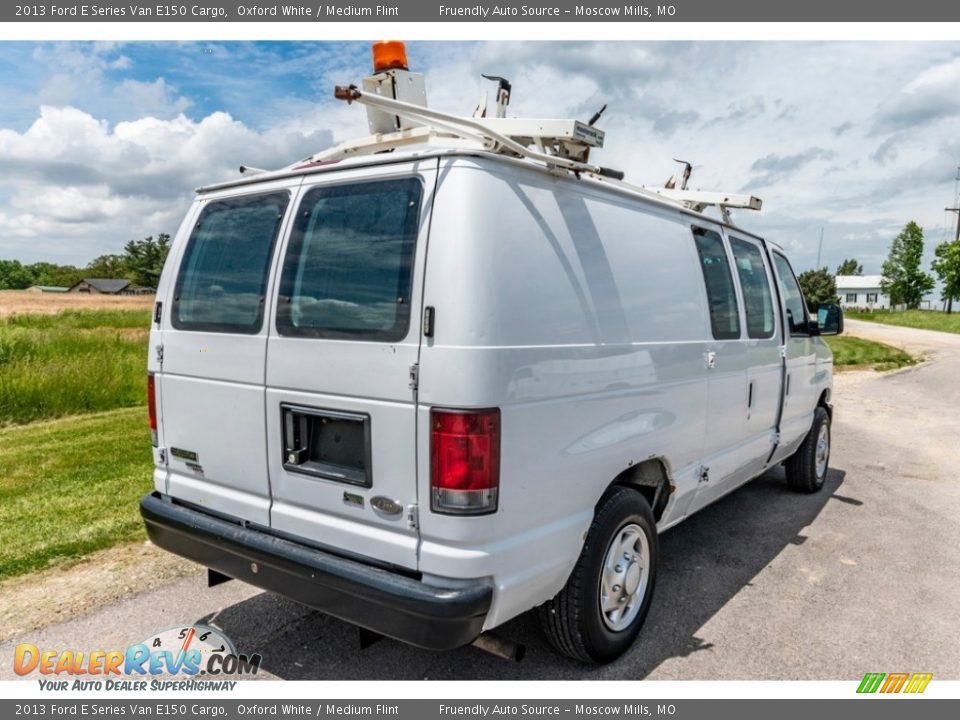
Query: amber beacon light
(389, 55)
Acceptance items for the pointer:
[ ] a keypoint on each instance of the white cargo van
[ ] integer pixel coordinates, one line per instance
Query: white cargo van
(425, 389)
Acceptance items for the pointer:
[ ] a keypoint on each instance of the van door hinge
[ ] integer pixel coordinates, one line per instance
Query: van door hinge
(783, 352)
(710, 359)
(413, 517)
(414, 376)
(162, 456)
(704, 474)
(159, 350)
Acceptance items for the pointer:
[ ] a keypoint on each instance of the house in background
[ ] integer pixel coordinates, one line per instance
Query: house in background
(108, 286)
(862, 292)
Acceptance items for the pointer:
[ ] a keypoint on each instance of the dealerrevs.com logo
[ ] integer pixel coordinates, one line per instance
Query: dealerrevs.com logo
(894, 682)
(186, 652)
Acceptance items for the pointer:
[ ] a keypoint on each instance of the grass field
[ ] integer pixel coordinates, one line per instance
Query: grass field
(856, 353)
(923, 319)
(23, 302)
(71, 486)
(74, 362)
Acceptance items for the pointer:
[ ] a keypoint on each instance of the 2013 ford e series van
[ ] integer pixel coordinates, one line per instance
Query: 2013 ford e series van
(434, 378)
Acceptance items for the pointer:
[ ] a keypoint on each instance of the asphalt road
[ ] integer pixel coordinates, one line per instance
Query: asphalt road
(764, 584)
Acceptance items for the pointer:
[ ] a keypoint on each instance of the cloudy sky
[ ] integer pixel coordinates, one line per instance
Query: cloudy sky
(104, 142)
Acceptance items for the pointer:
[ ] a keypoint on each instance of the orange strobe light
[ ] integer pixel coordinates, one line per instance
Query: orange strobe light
(389, 55)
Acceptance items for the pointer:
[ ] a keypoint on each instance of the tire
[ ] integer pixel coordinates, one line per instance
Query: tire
(807, 467)
(573, 620)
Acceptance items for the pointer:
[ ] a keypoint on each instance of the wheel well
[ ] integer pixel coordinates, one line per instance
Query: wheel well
(650, 479)
(824, 402)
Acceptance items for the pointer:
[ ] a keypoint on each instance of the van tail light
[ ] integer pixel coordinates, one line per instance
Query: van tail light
(152, 407)
(465, 461)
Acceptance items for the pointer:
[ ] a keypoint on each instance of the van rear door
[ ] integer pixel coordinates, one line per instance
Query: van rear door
(214, 339)
(341, 362)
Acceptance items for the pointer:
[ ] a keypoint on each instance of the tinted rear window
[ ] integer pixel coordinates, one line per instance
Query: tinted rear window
(347, 270)
(223, 274)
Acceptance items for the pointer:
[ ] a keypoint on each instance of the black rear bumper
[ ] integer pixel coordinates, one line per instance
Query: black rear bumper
(386, 602)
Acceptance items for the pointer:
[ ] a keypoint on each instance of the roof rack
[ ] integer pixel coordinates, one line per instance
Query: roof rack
(559, 145)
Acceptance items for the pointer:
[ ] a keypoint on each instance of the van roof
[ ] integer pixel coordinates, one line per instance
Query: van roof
(309, 167)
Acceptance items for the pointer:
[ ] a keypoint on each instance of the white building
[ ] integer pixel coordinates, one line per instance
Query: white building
(862, 292)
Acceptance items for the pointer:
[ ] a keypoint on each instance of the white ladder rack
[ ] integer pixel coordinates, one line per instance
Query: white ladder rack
(481, 133)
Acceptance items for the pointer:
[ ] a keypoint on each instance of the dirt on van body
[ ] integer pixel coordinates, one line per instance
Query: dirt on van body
(22, 302)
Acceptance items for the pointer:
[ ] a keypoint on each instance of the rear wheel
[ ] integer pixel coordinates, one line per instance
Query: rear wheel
(600, 611)
(807, 467)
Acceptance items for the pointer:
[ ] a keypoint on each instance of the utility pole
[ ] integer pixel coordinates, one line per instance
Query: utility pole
(957, 211)
(820, 246)
(955, 239)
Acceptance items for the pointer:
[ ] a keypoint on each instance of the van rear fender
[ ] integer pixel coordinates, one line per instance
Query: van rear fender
(652, 479)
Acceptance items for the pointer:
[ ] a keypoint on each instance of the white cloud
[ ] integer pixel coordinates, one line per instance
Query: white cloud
(930, 96)
(78, 188)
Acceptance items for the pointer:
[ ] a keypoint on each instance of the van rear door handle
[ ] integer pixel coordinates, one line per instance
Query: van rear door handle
(711, 359)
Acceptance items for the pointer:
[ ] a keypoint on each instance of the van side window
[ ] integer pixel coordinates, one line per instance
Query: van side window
(347, 270)
(797, 320)
(757, 301)
(223, 274)
(724, 315)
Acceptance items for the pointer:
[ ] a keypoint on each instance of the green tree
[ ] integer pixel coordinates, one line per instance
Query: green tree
(903, 280)
(818, 287)
(850, 267)
(947, 267)
(144, 259)
(108, 266)
(14, 276)
(57, 275)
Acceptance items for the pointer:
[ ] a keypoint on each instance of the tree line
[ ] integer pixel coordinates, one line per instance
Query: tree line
(903, 279)
(140, 262)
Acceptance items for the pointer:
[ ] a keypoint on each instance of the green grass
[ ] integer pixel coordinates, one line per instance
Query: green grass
(71, 363)
(71, 486)
(857, 353)
(923, 319)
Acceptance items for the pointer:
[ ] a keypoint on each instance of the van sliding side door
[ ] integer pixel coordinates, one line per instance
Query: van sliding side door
(762, 342)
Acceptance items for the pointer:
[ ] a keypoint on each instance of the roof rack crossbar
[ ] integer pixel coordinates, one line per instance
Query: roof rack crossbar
(476, 133)
(445, 124)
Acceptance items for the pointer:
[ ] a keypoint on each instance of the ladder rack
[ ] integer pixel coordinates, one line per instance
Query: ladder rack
(555, 142)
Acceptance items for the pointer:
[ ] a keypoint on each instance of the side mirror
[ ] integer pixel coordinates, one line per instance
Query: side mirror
(830, 319)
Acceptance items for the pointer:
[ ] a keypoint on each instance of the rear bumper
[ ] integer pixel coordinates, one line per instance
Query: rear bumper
(430, 617)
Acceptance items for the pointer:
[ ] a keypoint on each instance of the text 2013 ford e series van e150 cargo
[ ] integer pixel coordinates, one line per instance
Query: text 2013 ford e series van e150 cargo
(434, 378)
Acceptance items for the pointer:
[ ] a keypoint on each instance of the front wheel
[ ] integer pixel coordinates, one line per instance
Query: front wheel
(601, 609)
(807, 467)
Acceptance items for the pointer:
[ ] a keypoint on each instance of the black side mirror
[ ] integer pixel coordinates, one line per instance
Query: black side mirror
(830, 319)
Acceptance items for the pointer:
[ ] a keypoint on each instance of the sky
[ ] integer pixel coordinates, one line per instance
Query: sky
(101, 143)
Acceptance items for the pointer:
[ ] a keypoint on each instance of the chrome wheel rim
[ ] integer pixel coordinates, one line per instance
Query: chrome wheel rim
(823, 450)
(624, 577)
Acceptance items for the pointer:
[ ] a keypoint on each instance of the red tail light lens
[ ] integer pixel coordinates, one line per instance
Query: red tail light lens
(465, 461)
(152, 407)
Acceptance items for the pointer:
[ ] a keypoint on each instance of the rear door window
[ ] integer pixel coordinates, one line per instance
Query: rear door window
(347, 270)
(223, 274)
(754, 283)
(724, 314)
